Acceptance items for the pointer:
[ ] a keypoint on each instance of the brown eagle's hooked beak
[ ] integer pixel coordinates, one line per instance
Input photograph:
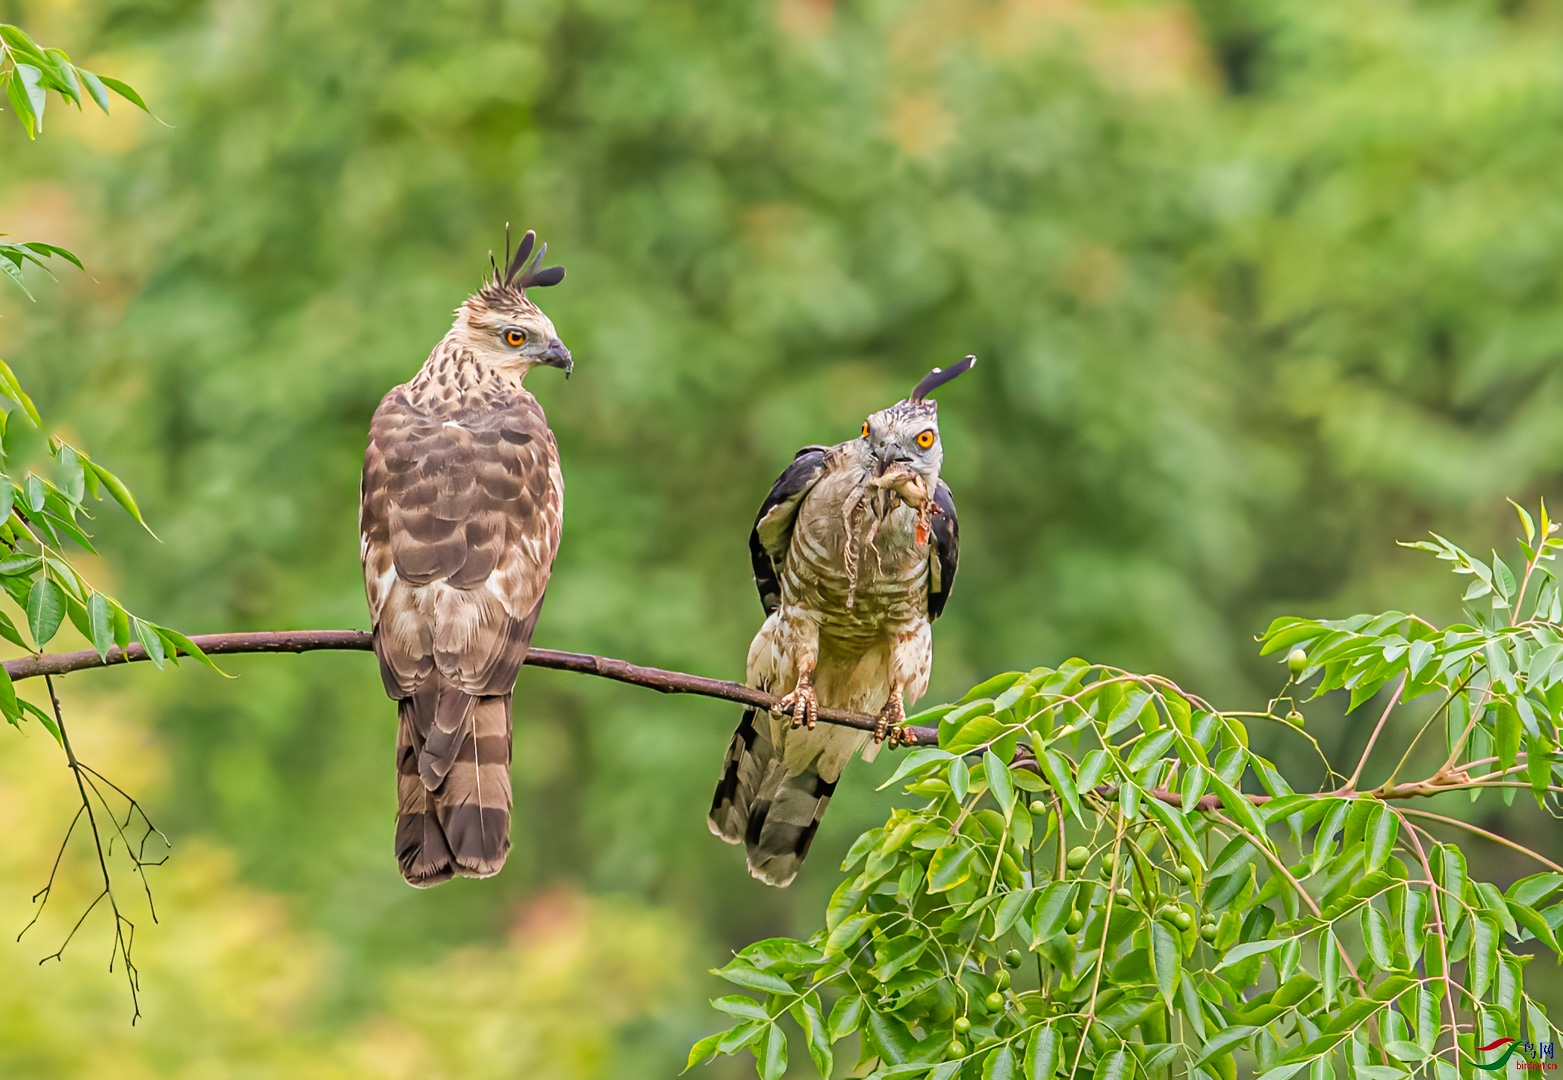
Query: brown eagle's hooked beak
(556, 355)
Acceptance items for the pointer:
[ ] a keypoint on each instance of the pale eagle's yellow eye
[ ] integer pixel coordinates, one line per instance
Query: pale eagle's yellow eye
(515, 338)
(865, 429)
(925, 440)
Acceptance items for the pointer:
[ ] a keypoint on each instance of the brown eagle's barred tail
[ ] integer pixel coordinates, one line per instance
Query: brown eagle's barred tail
(462, 826)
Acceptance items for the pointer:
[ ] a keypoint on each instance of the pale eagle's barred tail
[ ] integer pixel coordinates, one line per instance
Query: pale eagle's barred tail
(774, 815)
(461, 827)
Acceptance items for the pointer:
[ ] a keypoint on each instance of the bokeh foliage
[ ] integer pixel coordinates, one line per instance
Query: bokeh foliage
(1257, 287)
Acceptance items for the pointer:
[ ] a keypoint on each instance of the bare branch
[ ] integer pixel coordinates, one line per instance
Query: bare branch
(605, 667)
(124, 929)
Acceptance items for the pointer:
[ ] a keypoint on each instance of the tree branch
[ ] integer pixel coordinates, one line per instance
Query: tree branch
(301, 641)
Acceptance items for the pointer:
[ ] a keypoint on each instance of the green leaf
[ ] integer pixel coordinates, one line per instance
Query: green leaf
(850, 929)
(702, 1050)
(8, 704)
(960, 778)
(1114, 1066)
(999, 785)
(1173, 820)
(45, 609)
(1092, 768)
(1000, 1064)
(147, 634)
(772, 1056)
(126, 92)
(742, 973)
(1253, 948)
(1405, 1050)
(846, 1016)
(1056, 768)
(1054, 904)
(1383, 827)
(806, 1013)
(100, 624)
(1150, 750)
(1427, 1023)
(121, 493)
(1537, 887)
(1413, 914)
(950, 866)
(1166, 959)
(1225, 1041)
(1375, 933)
(1281, 1072)
(1530, 919)
(31, 77)
(1042, 1054)
(744, 1008)
(9, 631)
(1484, 955)
(1324, 840)
(43, 718)
(95, 87)
(181, 645)
(915, 760)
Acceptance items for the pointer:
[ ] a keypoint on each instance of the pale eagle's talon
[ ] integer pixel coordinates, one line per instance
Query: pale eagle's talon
(891, 721)
(802, 704)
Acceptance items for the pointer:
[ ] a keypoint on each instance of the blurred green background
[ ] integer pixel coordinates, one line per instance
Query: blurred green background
(1259, 287)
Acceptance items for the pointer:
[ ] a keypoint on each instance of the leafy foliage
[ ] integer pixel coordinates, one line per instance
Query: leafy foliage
(1167, 901)
(29, 73)
(44, 514)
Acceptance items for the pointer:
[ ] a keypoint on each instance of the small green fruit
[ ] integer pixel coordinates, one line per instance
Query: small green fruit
(1075, 922)
(957, 1048)
(1077, 857)
(1013, 958)
(1109, 863)
(962, 1025)
(1001, 980)
(1166, 912)
(1208, 931)
(1124, 895)
(1296, 662)
(1185, 875)
(994, 1002)
(1038, 807)
(1182, 920)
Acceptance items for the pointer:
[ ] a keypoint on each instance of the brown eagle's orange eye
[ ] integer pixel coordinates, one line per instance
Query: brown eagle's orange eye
(925, 440)
(515, 338)
(865, 429)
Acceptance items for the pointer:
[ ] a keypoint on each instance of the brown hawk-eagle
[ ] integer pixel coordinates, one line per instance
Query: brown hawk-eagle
(854, 554)
(460, 512)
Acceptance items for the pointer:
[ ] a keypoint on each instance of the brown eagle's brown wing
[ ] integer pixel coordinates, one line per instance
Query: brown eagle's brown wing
(460, 521)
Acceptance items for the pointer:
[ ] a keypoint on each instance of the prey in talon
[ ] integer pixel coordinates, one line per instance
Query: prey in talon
(854, 555)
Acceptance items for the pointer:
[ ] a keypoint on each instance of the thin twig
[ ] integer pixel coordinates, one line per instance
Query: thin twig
(1394, 699)
(1438, 939)
(1479, 831)
(124, 928)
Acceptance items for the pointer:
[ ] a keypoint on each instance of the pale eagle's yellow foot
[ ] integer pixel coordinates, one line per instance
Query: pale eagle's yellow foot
(802, 705)
(890, 721)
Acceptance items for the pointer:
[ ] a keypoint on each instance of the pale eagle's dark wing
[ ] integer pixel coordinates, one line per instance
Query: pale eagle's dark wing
(772, 532)
(946, 550)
